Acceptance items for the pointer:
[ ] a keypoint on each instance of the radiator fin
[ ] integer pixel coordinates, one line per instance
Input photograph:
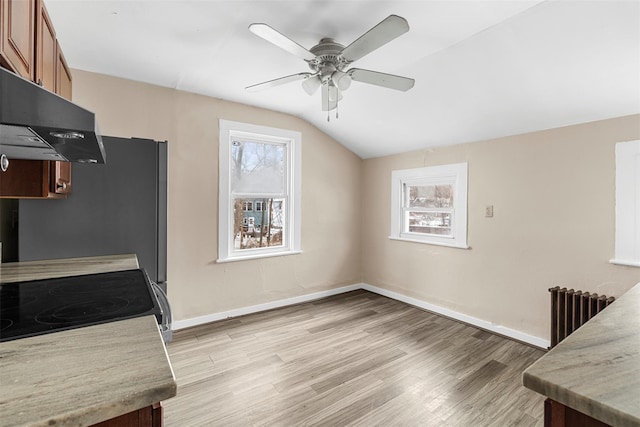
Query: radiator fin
(571, 309)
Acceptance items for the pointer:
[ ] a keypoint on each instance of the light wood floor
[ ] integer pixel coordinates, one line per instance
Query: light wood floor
(356, 359)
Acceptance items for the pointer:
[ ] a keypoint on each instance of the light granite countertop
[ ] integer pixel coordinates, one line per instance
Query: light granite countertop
(596, 369)
(47, 269)
(86, 375)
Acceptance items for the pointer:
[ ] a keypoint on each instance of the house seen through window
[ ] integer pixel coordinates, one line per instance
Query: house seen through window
(259, 191)
(258, 178)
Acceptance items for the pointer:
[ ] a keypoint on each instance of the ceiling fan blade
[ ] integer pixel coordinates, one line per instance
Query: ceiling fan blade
(277, 82)
(280, 40)
(390, 81)
(388, 29)
(311, 84)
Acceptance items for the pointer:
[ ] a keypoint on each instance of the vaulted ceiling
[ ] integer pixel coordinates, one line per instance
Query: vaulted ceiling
(483, 69)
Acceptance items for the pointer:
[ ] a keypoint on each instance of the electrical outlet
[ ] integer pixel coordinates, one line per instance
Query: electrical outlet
(488, 211)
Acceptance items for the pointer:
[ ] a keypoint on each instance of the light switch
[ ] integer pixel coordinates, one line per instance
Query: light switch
(488, 211)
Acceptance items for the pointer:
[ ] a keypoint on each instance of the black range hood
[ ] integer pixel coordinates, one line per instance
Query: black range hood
(37, 124)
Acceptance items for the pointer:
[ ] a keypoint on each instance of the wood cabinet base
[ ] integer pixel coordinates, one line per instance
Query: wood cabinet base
(558, 415)
(151, 416)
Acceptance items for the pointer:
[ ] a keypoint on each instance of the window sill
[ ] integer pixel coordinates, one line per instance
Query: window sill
(625, 262)
(451, 245)
(256, 256)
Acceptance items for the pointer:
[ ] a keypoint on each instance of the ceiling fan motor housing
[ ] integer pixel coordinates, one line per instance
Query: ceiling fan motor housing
(328, 58)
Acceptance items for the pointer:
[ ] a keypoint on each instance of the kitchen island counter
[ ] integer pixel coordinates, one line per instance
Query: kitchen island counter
(82, 376)
(596, 370)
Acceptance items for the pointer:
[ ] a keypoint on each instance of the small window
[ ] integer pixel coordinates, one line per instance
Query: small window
(627, 233)
(259, 194)
(429, 205)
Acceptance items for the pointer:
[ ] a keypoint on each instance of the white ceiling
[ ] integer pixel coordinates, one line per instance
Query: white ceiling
(483, 69)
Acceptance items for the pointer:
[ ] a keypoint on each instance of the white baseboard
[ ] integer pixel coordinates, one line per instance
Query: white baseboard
(483, 324)
(195, 321)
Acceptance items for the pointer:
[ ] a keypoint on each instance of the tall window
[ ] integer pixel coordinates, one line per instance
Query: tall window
(627, 234)
(429, 205)
(259, 205)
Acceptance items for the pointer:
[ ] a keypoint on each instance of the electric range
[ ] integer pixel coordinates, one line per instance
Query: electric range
(51, 305)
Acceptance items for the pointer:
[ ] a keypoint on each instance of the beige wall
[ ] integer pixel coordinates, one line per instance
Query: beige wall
(198, 286)
(552, 192)
(553, 224)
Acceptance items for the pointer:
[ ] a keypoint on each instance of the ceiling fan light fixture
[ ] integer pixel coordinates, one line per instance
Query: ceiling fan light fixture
(329, 97)
(334, 93)
(341, 79)
(311, 84)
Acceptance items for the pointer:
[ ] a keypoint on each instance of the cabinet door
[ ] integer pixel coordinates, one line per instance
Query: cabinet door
(558, 415)
(53, 74)
(17, 36)
(145, 417)
(61, 171)
(25, 178)
(60, 181)
(46, 55)
(47, 68)
(63, 75)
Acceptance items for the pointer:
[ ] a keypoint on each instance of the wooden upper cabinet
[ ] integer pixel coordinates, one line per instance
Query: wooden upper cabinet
(46, 45)
(17, 36)
(61, 171)
(48, 67)
(63, 75)
(25, 178)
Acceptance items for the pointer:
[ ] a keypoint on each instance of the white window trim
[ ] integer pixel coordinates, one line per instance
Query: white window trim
(627, 234)
(456, 173)
(226, 252)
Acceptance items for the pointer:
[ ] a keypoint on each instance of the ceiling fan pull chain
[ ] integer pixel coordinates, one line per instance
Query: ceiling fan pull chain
(328, 111)
(337, 102)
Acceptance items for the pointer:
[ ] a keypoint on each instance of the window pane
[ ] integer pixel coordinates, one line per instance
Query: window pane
(430, 196)
(257, 167)
(430, 222)
(258, 228)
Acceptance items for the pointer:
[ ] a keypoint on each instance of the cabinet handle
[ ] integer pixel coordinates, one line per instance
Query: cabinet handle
(4, 163)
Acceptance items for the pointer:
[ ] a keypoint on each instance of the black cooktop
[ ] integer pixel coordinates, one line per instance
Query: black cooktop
(43, 306)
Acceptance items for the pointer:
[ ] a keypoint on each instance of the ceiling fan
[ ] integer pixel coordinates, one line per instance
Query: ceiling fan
(329, 61)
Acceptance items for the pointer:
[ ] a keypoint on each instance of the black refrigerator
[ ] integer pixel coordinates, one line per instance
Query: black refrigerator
(119, 207)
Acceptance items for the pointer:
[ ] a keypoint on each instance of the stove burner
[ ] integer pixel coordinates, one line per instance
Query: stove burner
(85, 311)
(9, 299)
(5, 324)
